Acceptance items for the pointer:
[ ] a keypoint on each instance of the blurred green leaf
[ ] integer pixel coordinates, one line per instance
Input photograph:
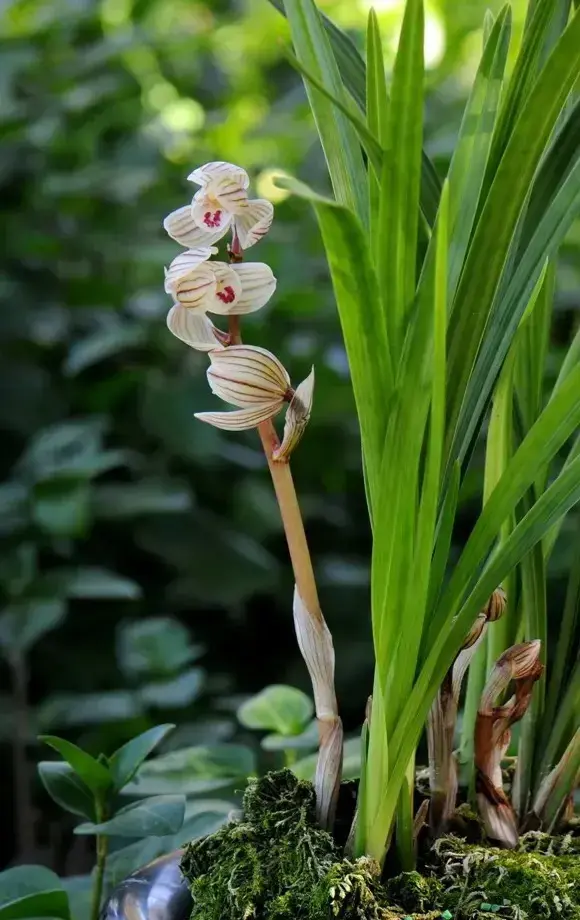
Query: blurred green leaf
(154, 647)
(149, 496)
(26, 621)
(153, 817)
(306, 740)
(13, 507)
(194, 770)
(125, 762)
(103, 344)
(66, 788)
(202, 817)
(62, 507)
(203, 547)
(278, 708)
(70, 449)
(17, 569)
(88, 708)
(95, 583)
(174, 693)
(305, 768)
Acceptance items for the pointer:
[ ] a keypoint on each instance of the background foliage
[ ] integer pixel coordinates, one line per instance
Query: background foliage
(143, 569)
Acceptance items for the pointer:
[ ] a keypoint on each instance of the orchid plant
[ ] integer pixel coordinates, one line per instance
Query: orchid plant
(444, 291)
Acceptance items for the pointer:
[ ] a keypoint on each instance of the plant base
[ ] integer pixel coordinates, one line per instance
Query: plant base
(276, 864)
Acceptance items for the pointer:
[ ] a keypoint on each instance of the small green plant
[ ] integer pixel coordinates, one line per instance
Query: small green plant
(445, 292)
(90, 788)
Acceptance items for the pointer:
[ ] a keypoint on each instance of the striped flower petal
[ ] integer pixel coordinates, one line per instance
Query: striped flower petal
(230, 194)
(241, 419)
(258, 285)
(197, 289)
(254, 222)
(182, 228)
(297, 418)
(245, 375)
(184, 264)
(193, 328)
(217, 171)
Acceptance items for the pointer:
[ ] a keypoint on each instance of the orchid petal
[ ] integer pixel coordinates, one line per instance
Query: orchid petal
(196, 290)
(217, 171)
(245, 375)
(258, 285)
(184, 264)
(241, 419)
(182, 228)
(254, 222)
(230, 194)
(193, 328)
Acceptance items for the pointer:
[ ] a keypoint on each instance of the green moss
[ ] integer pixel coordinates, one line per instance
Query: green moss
(516, 884)
(276, 864)
(414, 891)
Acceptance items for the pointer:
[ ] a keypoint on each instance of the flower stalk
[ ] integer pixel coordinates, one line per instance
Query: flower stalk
(314, 638)
(257, 384)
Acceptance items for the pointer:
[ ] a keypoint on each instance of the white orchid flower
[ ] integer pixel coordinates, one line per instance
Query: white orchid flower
(216, 287)
(220, 204)
(255, 381)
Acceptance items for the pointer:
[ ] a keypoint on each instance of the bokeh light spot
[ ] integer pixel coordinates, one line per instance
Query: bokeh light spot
(183, 115)
(266, 187)
(115, 13)
(161, 95)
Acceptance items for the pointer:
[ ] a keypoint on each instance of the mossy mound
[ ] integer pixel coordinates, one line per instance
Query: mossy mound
(541, 879)
(276, 864)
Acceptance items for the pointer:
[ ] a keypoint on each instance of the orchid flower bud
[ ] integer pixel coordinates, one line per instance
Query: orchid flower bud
(254, 380)
(297, 418)
(251, 378)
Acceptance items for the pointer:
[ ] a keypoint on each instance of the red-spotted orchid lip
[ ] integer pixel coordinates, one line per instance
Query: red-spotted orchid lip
(217, 287)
